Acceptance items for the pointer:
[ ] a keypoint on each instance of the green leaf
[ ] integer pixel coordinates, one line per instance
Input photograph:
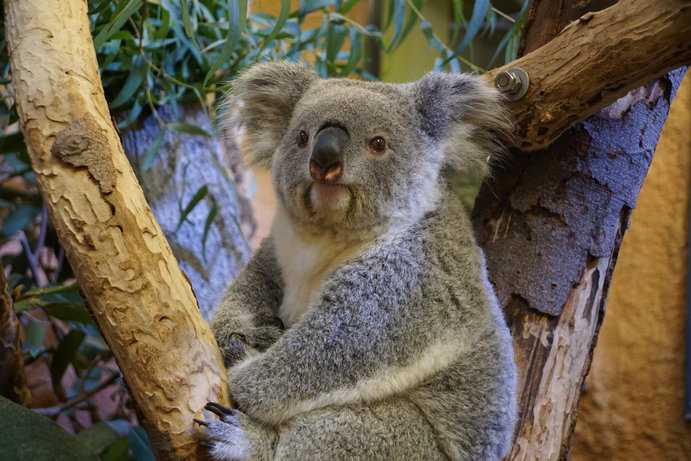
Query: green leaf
(308, 6)
(68, 312)
(188, 128)
(132, 84)
(152, 152)
(238, 21)
(26, 435)
(117, 22)
(398, 17)
(458, 19)
(194, 201)
(12, 143)
(280, 22)
(33, 342)
(335, 38)
(347, 6)
(164, 26)
(355, 53)
(139, 444)
(117, 451)
(207, 224)
(512, 35)
(64, 355)
(480, 8)
(19, 218)
(98, 437)
(186, 21)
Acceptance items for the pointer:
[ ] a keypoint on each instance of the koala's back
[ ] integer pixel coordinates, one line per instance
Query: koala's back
(471, 402)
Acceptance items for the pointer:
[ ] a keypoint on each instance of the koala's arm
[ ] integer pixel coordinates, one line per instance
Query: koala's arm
(246, 321)
(366, 338)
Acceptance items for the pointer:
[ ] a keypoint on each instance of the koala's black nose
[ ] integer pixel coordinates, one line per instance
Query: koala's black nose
(326, 163)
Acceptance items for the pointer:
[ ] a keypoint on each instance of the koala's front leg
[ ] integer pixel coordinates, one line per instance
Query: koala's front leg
(246, 322)
(354, 345)
(234, 436)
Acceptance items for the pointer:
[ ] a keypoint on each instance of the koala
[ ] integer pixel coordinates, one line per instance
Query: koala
(365, 326)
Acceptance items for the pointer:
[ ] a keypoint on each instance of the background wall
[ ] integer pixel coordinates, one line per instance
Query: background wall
(632, 407)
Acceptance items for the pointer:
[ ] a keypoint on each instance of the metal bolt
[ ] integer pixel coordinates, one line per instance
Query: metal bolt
(513, 83)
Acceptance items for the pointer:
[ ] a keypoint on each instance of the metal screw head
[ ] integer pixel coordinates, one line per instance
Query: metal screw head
(513, 83)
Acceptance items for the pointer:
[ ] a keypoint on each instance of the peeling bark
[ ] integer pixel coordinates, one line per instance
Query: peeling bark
(139, 297)
(593, 60)
(551, 224)
(13, 383)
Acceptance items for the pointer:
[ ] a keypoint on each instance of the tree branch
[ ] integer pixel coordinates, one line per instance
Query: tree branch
(136, 292)
(595, 60)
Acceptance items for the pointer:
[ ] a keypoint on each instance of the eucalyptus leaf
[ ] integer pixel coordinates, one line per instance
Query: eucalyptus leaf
(213, 212)
(132, 84)
(152, 151)
(35, 332)
(20, 217)
(194, 201)
(63, 356)
(117, 22)
(139, 444)
(97, 437)
(480, 8)
(26, 435)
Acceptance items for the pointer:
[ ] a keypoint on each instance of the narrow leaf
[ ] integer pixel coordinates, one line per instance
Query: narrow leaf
(213, 212)
(152, 151)
(480, 8)
(117, 22)
(194, 201)
(132, 84)
(238, 20)
(64, 355)
(189, 128)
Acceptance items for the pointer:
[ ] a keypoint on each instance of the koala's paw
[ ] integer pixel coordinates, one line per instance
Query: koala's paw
(236, 349)
(225, 438)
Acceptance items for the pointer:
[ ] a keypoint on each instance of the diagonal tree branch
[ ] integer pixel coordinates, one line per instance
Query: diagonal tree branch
(595, 60)
(140, 299)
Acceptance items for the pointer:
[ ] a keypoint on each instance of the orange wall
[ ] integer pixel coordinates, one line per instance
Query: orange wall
(632, 407)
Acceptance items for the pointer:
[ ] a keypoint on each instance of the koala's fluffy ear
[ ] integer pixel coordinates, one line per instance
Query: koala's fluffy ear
(261, 102)
(464, 116)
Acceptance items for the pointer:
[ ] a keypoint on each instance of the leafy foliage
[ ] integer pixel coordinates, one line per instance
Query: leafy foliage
(154, 53)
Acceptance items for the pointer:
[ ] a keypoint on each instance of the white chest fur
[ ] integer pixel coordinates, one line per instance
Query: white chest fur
(305, 263)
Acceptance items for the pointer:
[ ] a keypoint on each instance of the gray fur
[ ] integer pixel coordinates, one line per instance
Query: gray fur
(321, 388)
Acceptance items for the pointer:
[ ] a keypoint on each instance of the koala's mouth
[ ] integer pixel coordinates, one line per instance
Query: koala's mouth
(320, 198)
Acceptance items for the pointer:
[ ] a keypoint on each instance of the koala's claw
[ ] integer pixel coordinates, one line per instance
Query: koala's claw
(219, 410)
(225, 438)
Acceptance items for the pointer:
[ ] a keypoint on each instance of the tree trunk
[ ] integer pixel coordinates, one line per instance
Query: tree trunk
(551, 224)
(184, 164)
(125, 268)
(594, 60)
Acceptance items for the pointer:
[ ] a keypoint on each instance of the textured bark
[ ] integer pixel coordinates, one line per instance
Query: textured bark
(12, 375)
(594, 60)
(551, 224)
(125, 268)
(184, 164)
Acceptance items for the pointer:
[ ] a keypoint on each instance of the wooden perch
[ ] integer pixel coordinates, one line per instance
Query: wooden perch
(595, 60)
(140, 299)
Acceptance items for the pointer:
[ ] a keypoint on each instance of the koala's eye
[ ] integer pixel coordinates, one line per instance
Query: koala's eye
(377, 145)
(303, 138)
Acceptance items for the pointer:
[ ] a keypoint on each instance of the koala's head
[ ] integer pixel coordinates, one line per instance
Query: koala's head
(349, 156)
